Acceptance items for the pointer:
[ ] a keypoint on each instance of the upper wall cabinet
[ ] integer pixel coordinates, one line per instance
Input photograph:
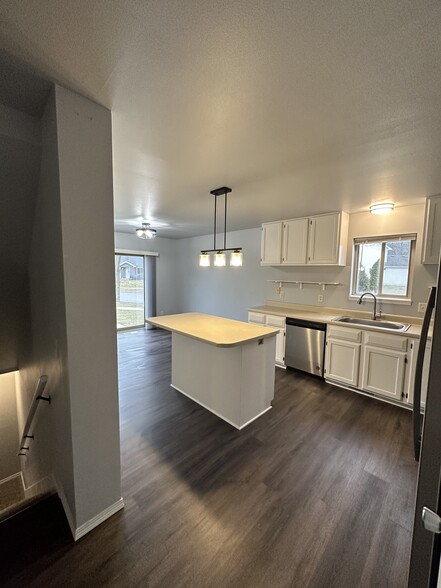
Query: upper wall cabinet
(432, 230)
(271, 244)
(315, 240)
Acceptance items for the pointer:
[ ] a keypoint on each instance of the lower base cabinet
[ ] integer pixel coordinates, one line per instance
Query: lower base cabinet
(383, 372)
(379, 363)
(342, 360)
(278, 322)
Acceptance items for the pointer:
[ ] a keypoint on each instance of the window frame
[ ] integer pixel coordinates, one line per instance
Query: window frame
(383, 239)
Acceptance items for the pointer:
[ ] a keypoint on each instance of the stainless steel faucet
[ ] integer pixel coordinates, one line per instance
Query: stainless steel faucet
(375, 316)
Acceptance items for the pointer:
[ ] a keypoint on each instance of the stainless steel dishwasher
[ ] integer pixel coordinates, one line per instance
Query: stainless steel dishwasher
(305, 345)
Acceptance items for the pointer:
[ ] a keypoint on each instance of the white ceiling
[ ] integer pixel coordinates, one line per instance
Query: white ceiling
(300, 107)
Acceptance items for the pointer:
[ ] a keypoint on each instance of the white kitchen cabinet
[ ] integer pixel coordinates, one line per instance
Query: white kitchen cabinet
(315, 240)
(371, 361)
(327, 240)
(384, 364)
(295, 241)
(271, 244)
(342, 355)
(383, 371)
(432, 230)
(272, 321)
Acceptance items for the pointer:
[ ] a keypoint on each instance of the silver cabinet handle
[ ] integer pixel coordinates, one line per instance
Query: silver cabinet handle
(431, 521)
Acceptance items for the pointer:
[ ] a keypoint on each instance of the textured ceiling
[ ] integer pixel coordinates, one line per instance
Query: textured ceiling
(300, 107)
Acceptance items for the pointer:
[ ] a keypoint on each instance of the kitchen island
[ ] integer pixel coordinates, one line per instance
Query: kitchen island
(224, 365)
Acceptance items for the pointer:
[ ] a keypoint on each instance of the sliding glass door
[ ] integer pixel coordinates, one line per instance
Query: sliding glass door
(130, 290)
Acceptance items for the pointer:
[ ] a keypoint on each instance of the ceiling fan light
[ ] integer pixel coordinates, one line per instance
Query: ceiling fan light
(381, 207)
(236, 258)
(220, 259)
(204, 259)
(146, 232)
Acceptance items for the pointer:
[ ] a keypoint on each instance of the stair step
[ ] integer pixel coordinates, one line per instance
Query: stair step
(29, 537)
(21, 505)
(11, 492)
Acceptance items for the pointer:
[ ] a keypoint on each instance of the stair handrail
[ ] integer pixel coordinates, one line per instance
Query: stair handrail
(38, 396)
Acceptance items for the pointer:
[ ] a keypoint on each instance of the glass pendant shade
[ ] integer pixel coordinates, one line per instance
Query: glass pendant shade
(204, 260)
(236, 258)
(220, 259)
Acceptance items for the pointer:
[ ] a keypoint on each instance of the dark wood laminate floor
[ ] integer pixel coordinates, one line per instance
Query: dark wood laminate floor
(319, 492)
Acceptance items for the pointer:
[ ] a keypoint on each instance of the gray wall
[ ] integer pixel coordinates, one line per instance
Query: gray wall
(73, 309)
(19, 170)
(52, 450)
(227, 291)
(167, 290)
(230, 291)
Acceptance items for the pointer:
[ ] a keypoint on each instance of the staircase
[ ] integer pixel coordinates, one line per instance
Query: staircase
(13, 498)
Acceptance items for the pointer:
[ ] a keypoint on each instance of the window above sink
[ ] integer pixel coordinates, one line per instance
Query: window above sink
(383, 265)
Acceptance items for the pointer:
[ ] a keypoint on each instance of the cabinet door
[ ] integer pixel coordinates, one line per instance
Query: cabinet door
(342, 360)
(383, 371)
(279, 323)
(324, 239)
(432, 230)
(271, 244)
(295, 241)
(280, 347)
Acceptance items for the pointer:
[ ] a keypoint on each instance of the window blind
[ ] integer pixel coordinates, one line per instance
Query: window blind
(385, 239)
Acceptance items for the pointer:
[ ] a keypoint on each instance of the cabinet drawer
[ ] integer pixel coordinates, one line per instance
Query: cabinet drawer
(387, 341)
(256, 317)
(344, 333)
(275, 321)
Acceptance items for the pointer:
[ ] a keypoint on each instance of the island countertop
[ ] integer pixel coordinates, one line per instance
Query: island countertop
(214, 330)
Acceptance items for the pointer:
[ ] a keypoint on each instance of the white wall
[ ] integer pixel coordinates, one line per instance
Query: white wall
(86, 189)
(73, 310)
(230, 291)
(167, 290)
(9, 462)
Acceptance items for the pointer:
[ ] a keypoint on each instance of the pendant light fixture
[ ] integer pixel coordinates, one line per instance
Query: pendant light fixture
(220, 253)
(146, 232)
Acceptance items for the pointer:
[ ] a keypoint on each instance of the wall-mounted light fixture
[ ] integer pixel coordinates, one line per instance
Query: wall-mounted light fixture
(381, 207)
(220, 257)
(146, 232)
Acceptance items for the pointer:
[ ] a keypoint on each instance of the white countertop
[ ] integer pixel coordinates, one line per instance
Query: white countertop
(327, 315)
(211, 329)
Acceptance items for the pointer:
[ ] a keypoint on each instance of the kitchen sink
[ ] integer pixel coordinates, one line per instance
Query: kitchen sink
(378, 324)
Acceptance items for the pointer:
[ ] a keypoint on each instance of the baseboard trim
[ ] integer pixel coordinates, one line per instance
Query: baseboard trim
(98, 519)
(78, 532)
(11, 477)
(43, 486)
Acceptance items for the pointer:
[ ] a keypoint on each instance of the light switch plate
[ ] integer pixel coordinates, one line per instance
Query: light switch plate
(422, 306)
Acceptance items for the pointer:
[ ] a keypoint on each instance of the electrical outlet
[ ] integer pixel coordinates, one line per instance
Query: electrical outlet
(422, 306)
(320, 298)
(278, 290)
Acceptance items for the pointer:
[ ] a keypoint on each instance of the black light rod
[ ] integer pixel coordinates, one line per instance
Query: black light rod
(220, 250)
(225, 222)
(220, 191)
